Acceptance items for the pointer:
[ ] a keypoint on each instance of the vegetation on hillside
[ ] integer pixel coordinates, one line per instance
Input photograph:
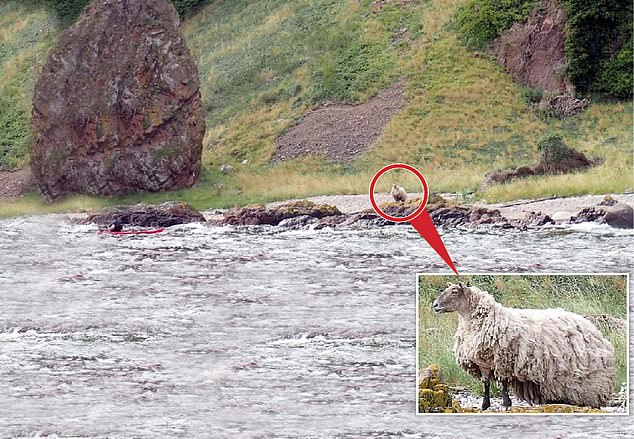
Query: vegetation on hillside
(598, 38)
(599, 46)
(481, 21)
(68, 10)
(582, 294)
(263, 65)
(26, 35)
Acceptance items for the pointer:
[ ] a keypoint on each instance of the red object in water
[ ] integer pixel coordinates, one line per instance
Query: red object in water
(132, 232)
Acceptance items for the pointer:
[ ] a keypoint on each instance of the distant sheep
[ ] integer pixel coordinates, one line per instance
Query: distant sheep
(398, 193)
(545, 355)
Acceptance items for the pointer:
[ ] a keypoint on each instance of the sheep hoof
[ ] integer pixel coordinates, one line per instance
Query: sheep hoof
(486, 403)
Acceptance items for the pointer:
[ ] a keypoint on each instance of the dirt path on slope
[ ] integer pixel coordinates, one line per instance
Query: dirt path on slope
(341, 131)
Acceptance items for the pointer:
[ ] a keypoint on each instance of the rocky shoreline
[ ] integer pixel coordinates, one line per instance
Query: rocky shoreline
(354, 211)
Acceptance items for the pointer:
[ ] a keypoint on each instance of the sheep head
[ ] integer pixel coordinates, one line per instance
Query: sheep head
(454, 298)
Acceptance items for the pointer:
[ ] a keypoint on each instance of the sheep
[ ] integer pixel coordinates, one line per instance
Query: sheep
(398, 193)
(545, 355)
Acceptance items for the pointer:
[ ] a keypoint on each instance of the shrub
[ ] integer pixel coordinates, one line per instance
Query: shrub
(480, 21)
(186, 7)
(615, 77)
(531, 95)
(552, 148)
(68, 10)
(595, 60)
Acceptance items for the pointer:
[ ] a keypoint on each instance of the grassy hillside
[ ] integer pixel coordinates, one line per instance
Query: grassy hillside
(26, 35)
(264, 64)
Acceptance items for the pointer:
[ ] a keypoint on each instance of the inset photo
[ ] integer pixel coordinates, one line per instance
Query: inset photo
(522, 343)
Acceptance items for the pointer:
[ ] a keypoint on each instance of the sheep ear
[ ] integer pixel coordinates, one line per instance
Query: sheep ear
(462, 286)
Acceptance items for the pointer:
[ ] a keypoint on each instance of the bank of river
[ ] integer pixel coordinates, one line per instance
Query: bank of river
(249, 332)
(560, 209)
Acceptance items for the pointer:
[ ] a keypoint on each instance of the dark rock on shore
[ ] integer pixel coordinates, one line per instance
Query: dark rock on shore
(537, 219)
(258, 214)
(363, 220)
(448, 213)
(444, 213)
(117, 107)
(146, 215)
(615, 214)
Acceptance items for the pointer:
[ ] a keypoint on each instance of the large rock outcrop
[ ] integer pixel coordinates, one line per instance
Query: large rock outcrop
(167, 214)
(259, 214)
(532, 52)
(117, 107)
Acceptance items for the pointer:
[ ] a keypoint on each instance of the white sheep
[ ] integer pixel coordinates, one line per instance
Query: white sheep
(545, 355)
(398, 193)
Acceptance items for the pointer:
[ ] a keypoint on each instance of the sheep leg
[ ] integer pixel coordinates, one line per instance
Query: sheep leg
(506, 400)
(486, 384)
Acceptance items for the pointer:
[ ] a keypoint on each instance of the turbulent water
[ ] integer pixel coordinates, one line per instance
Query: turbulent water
(259, 332)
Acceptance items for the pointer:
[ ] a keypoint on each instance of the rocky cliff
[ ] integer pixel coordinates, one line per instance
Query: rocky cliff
(117, 107)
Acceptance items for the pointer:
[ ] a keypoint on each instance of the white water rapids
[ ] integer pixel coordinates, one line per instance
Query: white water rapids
(255, 332)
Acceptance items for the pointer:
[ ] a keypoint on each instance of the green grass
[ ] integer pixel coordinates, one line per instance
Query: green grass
(580, 294)
(26, 35)
(263, 65)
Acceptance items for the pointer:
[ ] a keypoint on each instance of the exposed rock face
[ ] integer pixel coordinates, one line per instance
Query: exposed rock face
(117, 107)
(146, 215)
(532, 52)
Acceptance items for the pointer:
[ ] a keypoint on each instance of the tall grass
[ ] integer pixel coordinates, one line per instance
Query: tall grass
(582, 294)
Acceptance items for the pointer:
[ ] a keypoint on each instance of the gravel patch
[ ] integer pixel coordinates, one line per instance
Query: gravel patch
(14, 184)
(341, 131)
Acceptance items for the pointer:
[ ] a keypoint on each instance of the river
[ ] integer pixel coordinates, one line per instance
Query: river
(255, 332)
